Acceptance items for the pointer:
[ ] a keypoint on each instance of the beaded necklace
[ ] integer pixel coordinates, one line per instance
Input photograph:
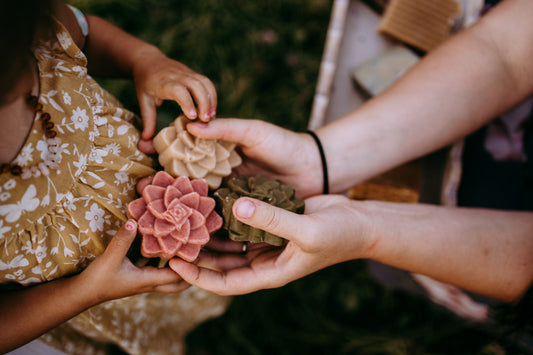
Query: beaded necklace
(50, 134)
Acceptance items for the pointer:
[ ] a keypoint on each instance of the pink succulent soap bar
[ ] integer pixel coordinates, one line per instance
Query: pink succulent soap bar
(175, 217)
(182, 154)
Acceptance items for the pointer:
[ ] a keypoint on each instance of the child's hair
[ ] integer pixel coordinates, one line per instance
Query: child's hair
(20, 21)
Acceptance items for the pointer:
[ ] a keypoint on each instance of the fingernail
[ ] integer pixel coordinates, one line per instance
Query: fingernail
(130, 225)
(207, 115)
(245, 209)
(213, 112)
(192, 113)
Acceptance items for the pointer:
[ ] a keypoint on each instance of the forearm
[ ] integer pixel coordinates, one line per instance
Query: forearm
(26, 314)
(111, 52)
(454, 90)
(484, 251)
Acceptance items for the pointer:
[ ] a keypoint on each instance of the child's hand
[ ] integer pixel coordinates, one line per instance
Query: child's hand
(112, 275)
(159, 78)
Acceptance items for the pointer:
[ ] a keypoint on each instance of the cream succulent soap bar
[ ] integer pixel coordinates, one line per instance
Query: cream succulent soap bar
(182, 154)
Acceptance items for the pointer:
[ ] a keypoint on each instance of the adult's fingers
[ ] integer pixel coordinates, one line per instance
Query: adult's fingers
(243, 131)
(220, 262)
(275, 220)
(234, 282)
(224, 245)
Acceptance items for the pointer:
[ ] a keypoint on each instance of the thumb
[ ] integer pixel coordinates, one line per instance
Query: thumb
(242, 131)
(275, 220)
(122, 240)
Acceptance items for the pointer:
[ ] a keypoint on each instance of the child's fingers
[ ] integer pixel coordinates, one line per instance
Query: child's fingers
(143, 183)
(175, 287)
(122, 240)
(158, 276)
(180, 94)
(146, 146)
(203, 98)
(211, 95)
(148, 110)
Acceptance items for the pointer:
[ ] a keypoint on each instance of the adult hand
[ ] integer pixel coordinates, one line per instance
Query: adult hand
(332, 230)
(112, 275)
(215, 243)
(269, 150)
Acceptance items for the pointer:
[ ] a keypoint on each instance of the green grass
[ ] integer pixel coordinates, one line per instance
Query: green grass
(263, 57)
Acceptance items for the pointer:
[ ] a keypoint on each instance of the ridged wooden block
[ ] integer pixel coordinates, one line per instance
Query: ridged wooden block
(423, 24)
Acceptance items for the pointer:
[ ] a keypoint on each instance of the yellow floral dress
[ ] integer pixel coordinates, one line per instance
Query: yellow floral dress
(63, 210)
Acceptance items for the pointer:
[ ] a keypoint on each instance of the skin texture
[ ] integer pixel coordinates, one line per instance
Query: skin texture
(113, 52)
(30, 312)
(475, 76)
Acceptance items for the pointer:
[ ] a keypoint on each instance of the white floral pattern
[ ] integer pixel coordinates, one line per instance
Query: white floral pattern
(80, 119)
(62, 211)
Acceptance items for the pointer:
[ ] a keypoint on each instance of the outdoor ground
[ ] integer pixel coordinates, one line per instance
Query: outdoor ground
(263, 57)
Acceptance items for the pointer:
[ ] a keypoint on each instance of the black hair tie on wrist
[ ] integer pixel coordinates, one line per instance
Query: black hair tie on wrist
(323, 159)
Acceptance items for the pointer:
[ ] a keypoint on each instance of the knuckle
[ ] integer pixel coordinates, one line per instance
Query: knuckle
(271, 221)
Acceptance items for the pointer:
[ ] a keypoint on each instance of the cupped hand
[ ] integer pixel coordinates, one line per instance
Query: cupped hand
(158, 78)
(269, 150)
(332, 230)
(112, 275)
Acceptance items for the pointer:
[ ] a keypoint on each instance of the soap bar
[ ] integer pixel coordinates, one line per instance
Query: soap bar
(182, 154)
(273, 192)
(423, 24)
(378, 73)
(401, 184)
(175, 217)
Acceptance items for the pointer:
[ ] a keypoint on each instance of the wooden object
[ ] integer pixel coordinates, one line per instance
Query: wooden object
(423, 24)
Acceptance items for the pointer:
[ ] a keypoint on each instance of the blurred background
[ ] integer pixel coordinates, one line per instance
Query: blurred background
(263, 57)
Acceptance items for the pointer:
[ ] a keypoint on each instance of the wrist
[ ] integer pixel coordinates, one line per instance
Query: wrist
(85, 290)
(147, 56)
(368, 228)
(323, 162)
(313, 179)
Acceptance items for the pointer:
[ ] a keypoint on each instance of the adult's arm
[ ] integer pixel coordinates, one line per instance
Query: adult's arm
(484, 251)
(455, 89)
(476, 75)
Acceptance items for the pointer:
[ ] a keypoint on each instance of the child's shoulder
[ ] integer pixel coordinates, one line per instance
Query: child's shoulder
(72, 22)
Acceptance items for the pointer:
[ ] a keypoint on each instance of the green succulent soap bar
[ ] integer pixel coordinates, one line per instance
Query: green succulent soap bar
(273, 192)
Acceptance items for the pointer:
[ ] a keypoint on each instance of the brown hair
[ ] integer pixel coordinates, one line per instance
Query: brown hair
(20, 21)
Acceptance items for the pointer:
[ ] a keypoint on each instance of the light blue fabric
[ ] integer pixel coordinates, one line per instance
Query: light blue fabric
(82, 20)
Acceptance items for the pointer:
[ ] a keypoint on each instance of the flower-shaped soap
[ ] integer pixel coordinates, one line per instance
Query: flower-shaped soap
(182, 154)
(273, 192)
(175, 217)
